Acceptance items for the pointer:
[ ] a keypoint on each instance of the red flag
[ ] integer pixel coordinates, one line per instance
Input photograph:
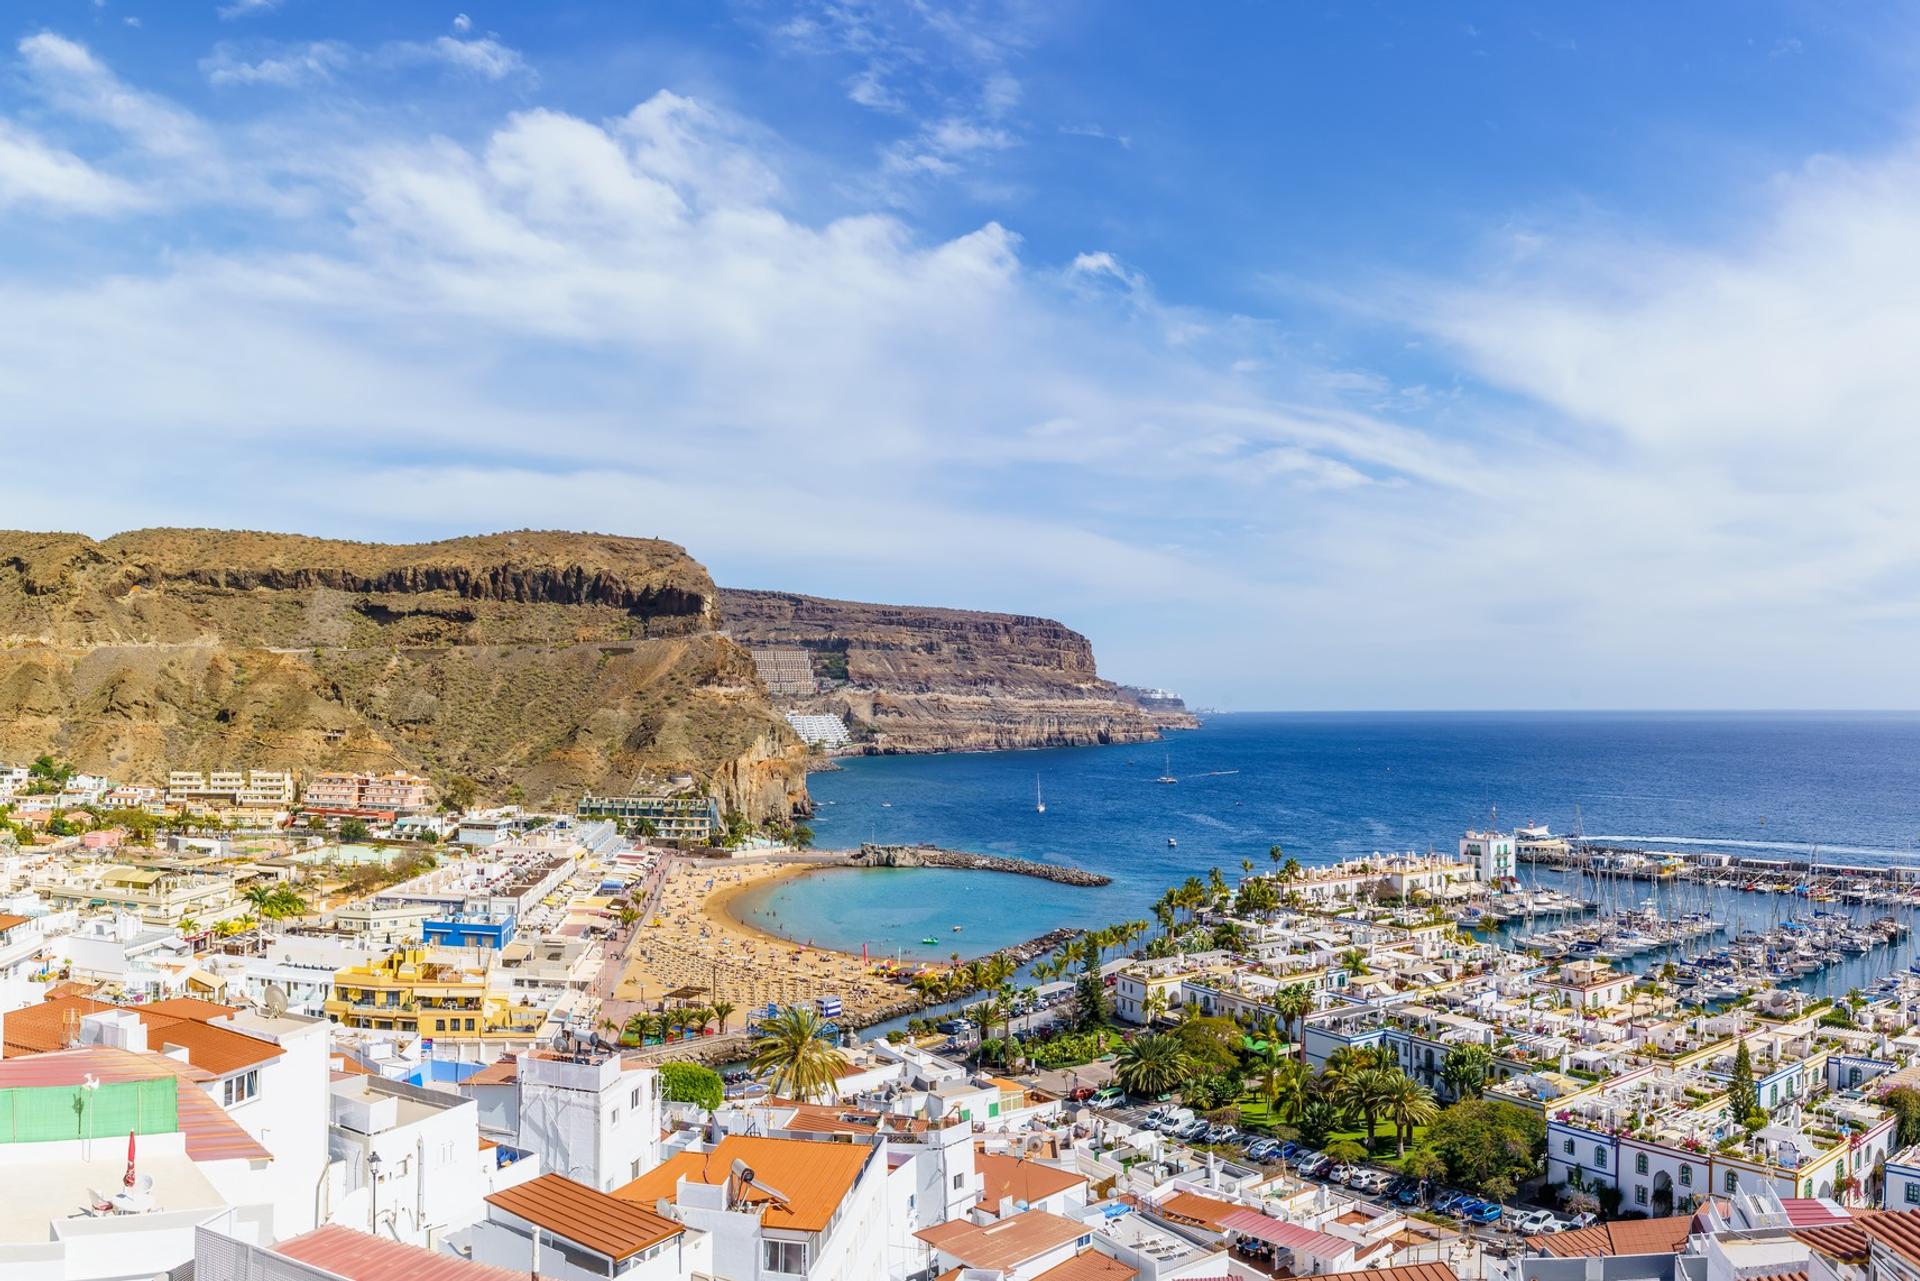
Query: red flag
(129, 1179)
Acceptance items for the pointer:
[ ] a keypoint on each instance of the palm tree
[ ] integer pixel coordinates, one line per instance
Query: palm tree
(259, 897)
(722, 1010)
(1293, 1003)
(1152, 1065)
(1154, 1005)
(639, 1027)
(1366, 1094)
(795, 1057)
(1465, 1070)
(1293, 1087)
(1275, 853)
(1409, 1104)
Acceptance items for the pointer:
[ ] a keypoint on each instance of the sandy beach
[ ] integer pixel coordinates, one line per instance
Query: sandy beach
(693, 941)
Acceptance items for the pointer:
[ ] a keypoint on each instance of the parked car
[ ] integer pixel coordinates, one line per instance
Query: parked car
(1488, 1212)
(1107, 1096)
(1341, 1173)
(1192, 1130)
(1376, 1182)
(1585, 1219)
(1408, 1196)
(1534, 1222)
(1290, 1149)
(1449, 1202)
(1357, 1177)
(1263, 1149)
(1315, 1165)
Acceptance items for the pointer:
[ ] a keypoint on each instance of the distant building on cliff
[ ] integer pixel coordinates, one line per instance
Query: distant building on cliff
(824, 731)
(1149, 699)
(786, 670)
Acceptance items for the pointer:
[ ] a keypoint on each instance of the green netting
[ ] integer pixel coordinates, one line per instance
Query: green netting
(46, 1114)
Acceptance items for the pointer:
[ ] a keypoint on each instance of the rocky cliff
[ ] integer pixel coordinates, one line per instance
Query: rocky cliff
(933, 680)
(555, 662)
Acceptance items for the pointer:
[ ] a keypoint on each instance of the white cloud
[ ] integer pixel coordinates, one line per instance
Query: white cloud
(483, 56)
(32, 173)
(247, 8)
(76, 83)
(1663, 473)
(286, 67)
(462, 23)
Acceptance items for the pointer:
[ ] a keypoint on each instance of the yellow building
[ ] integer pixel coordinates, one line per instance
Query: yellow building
(412, 992)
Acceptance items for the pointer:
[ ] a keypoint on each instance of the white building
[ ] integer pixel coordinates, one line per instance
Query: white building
(784, 1207)
(589, 1116)
(1491, 852)
(409, 1162)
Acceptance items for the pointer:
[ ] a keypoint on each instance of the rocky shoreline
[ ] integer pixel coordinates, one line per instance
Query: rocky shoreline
(870, 855)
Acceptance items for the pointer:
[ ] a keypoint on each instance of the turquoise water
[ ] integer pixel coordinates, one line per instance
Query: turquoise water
(1327, 787)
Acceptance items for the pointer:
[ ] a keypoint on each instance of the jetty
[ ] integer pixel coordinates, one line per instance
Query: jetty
(871, 855)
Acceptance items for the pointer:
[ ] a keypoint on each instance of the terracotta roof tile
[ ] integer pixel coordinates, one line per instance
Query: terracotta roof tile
(48, 1026)
(1004, 1243)
(356, 1256)
(1899, 1232)
(608, 1225)
(1405, 1272)
(1846, 1242)
(1191, 1207)
(1623, 1236)
(1005, 1178)
(1089, 1265)
(814, 1177)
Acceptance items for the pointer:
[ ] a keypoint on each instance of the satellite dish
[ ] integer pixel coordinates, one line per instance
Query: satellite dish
(275, 1000)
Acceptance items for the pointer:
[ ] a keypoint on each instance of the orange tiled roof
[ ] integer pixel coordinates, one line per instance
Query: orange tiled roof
(42, 1028)
(343, 1252)
(608, 1225)
(814, 1177)
(1846, 1242)
(1405, 1272)
(1089, 1265)
(1004, 1178)
(1624, 1236)
(8, 920)
(1004, 1243)
(1194, 1208)
(1899, 1232)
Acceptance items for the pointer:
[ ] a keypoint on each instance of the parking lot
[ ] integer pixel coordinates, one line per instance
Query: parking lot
(1488, 1221)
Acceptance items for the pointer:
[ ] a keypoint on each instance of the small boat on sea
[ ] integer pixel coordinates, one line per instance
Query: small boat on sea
(930, 940)
(1039, 802)
(1168, 777)
(1171, 842)
(958, 928)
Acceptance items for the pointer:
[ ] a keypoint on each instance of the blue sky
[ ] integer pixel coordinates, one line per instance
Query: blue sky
(1374, 355)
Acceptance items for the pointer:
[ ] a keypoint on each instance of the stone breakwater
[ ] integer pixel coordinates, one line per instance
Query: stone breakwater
(933, 856)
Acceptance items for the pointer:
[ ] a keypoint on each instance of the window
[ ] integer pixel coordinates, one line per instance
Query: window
(613, 1117)
(634, 1103)
(238, 1089)
(636, 1167)
(1599, 1156)
(1686, 1176)
(789, 1257)
(959, 1179)
(1639, 1194)
(1639, 1162)
(469, 1025)
(1912, 1193)
(1733, 1179)
(1569, 1147)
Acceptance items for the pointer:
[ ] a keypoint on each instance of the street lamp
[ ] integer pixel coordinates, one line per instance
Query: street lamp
(373, 1185)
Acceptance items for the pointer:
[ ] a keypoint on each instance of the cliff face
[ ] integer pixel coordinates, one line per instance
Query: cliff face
(936, 680)
(557, 662)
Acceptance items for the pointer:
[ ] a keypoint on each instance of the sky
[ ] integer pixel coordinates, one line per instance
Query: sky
(1303, 356)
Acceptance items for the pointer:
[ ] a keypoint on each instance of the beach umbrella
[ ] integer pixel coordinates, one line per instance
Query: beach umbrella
(128, 1180)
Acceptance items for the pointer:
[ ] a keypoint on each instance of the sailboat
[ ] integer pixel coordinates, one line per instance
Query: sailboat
(1168, 776)
(1039, 804)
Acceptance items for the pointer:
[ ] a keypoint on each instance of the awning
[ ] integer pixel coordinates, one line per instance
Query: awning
(1290, 1236)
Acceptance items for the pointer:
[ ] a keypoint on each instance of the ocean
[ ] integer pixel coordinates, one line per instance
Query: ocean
(1326, 787)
